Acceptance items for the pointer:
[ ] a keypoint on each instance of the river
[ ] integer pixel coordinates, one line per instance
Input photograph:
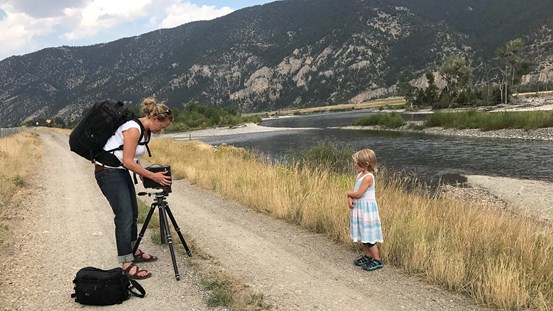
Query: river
(424, 156)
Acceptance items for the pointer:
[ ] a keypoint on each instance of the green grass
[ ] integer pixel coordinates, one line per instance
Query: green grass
(471, 119)
(18, 181)
(143, 210)
(488, 121)
(392, 107)
(220, 293)
(196, 116)
(387, 120)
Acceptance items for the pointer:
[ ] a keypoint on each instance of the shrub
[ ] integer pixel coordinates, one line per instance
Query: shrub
(387, 120)
(491, 120)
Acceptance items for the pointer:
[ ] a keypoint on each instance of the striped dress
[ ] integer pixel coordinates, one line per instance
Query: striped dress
(365, 223)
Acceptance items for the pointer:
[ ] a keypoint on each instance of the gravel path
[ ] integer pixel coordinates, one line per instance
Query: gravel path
(64, 223)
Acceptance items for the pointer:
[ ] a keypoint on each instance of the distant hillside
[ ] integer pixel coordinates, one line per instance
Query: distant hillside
(294, 53)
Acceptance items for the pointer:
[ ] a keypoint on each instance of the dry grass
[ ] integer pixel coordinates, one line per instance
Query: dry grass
(497, 258)
(277, 190)
(533, 93)
(17, 154)
(391, 101)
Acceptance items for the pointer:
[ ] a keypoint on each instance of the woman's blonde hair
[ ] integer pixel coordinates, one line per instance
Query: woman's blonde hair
(366, 158)
(152, 108)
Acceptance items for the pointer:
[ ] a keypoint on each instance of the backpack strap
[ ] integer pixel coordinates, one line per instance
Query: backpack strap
(142, 130)
(137, 286)
(148, 148)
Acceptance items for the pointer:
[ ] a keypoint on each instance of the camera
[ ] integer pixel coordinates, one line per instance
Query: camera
(148, 183)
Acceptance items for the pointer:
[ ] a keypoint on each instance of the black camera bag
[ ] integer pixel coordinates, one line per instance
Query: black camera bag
(99, 287)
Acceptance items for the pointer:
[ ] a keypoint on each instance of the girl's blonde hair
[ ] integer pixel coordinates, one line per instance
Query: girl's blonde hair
(366, 158)
(152, 108)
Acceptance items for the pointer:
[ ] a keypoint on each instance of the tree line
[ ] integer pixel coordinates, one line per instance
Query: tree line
(498, 80)
(191, 117)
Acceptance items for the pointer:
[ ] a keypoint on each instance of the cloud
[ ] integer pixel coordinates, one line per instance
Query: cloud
(183, 12)
(42, 8)
(101, 15)
(18, 29)
(28, 25)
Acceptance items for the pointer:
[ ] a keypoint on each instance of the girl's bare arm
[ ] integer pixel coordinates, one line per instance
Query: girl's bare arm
(365, 184)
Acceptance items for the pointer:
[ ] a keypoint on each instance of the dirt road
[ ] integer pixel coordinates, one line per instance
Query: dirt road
(64, 223)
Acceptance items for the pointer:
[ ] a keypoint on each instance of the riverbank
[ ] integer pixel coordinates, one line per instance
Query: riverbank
(526, 197)
(528, 103)
(522, 195)
(537, 134)
(247, 128)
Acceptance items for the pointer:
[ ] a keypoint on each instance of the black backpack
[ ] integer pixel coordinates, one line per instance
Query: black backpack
(92, 132)
(99, 287)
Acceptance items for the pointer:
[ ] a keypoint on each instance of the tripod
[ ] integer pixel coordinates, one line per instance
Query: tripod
(160, 201)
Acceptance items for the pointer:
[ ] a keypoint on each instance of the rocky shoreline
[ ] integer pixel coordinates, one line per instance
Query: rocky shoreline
(537, 134)
(526, 197)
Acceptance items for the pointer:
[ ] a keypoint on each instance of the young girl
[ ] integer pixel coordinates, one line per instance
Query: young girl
(365, 223)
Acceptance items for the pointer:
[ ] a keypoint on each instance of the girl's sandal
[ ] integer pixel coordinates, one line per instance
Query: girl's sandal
(136, 275)
(140, 257)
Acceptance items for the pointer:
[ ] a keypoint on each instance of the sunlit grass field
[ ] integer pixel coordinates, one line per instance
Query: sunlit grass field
(18, 153)
(495, 257)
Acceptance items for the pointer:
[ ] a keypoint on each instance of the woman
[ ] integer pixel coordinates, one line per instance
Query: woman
(117, 186)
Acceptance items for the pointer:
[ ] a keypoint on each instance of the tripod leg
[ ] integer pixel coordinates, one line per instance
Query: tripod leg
(144, 226)
(177, 229)
(163, 215)
(162, 232)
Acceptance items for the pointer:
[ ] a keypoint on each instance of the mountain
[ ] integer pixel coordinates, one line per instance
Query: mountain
(292, 53)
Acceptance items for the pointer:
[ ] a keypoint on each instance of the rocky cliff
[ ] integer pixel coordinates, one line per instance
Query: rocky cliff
(293, 53)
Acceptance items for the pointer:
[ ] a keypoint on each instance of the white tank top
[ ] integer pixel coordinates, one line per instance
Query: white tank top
(117, 140)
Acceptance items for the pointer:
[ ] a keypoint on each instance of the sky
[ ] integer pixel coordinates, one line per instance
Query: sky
(27, 26)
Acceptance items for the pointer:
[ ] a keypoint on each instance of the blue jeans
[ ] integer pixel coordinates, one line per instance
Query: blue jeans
(118, 188)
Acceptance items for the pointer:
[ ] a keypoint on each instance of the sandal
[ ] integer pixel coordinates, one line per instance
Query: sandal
(136, 275)
(373, 265)
(363, 260)
(140, 257)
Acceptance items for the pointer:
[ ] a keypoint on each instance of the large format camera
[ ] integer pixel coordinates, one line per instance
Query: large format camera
(148, 183)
